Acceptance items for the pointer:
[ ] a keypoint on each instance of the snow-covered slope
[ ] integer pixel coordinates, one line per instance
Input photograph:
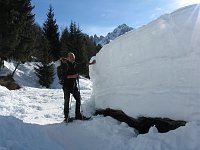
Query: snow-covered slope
(25, 74)
(120, 30)
(157, 65)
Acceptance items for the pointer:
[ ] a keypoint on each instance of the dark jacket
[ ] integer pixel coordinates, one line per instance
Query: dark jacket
(69, 69)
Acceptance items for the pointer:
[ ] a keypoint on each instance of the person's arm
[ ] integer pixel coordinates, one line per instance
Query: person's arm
(72, 76)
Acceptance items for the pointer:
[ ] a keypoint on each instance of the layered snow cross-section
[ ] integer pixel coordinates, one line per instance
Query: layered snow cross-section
(153, 71)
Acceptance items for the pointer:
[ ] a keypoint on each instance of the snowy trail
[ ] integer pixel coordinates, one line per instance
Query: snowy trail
(45, 105)
(41, 106)
(34, 105)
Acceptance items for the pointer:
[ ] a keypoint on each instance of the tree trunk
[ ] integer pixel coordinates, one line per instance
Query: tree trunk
(15, 69)
(1, 63)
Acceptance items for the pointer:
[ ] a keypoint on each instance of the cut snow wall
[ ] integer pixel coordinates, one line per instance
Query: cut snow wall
(153, 71)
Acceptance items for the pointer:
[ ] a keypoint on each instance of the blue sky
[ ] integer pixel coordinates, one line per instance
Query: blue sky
(102, 16)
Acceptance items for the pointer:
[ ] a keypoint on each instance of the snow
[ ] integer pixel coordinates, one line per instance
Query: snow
(154, 70)
(22, 136)
(120, 30)
(31, 118)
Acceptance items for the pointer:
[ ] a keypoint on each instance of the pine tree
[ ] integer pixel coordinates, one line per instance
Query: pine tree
(76, 45)
(45, 73)
(8, 28)
(38, 44)
(45, 69)
(50, 29)
(16, 21)
(64, 40)
(91, 46)
(25, 20)
(48, 49)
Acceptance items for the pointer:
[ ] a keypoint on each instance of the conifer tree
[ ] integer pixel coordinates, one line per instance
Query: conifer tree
(38, 43)
(8, 29)
(76, 45)
(91, 46)
(51, 33)
(45, 69)
(26, 23)
(16, 34)
(25, 20)
(45, 73)
(64, 40)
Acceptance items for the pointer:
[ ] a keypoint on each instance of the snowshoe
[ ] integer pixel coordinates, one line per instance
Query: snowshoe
(70, 119)
(81, 117)
(84, 118)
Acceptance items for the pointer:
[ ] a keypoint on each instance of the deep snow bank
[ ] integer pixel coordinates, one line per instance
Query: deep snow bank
(153, 71)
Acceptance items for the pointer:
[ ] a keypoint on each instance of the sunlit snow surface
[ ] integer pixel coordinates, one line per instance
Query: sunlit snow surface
(153, 71)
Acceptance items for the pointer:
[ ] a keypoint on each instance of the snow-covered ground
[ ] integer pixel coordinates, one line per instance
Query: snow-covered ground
(31, 118)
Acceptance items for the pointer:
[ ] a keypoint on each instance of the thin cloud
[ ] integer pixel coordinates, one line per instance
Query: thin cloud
(158, 9)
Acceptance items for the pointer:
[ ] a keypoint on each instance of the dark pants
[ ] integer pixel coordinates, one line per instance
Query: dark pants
(76, 94)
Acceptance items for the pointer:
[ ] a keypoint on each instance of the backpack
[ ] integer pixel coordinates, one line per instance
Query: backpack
(61, 70)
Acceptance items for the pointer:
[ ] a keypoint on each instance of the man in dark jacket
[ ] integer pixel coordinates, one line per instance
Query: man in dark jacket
(69, 81)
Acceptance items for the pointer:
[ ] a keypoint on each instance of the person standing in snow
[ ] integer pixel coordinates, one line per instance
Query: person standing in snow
(68, 77)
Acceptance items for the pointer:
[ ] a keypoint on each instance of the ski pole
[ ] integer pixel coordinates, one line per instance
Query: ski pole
(79, 89)
(79, 86)
(70, 102)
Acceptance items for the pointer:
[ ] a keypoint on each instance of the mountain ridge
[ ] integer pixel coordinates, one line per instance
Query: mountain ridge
(120, 30)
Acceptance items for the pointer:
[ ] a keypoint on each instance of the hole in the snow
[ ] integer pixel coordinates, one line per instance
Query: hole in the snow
(143, 124)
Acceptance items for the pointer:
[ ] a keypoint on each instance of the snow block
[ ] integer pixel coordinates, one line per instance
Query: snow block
(153, 71)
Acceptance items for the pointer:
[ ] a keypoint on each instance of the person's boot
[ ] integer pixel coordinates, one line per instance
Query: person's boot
(79, 116)
(69, 119)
